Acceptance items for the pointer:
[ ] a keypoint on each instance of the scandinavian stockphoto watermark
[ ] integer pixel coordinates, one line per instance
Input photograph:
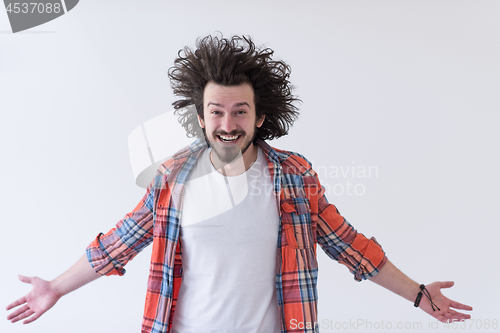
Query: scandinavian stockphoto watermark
(158, 139)
(335, 180)
(24, 15)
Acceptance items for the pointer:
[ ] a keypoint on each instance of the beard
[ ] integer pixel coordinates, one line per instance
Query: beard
(228, 154)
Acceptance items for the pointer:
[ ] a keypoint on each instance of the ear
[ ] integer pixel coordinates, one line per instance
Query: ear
(260, 121)
(201, 122)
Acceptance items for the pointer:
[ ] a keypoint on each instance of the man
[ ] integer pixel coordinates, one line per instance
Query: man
(234, 222)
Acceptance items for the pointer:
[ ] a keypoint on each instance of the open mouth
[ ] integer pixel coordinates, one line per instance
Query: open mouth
(228, 138)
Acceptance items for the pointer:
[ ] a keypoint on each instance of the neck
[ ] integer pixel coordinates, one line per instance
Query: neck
(239, 165)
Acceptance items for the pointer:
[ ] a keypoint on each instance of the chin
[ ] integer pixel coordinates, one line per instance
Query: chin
(227, 155)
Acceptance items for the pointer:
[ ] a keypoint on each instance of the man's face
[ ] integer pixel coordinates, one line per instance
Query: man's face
(230, 120)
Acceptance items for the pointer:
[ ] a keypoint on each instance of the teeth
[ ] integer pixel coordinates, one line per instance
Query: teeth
(228, 138)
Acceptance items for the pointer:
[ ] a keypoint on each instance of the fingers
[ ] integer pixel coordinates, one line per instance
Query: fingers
(25, 279)
(20, 301)
(454, 315)
(24, 311)
(32, 318)
(448, 315)
(13, 315)
(460, 306)
(442, 319)
(24, 315)
(447, 284)
(453, 304)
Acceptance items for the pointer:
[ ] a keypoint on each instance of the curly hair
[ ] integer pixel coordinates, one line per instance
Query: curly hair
(231, 62)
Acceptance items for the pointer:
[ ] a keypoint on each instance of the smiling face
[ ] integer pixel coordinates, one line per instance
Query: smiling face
(230, 123)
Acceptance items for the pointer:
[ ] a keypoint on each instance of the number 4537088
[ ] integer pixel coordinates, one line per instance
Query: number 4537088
(34, 7)
(472, 324)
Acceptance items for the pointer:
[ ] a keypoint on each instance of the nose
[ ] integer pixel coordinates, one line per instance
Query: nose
(228, 123)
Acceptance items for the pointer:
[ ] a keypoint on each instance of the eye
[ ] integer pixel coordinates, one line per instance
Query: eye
(240, 112)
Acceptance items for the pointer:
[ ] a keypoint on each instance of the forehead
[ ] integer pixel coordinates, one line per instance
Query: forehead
(228, 96)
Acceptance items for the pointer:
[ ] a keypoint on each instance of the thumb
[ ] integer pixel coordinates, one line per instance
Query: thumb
(447, 284)
(25, 279)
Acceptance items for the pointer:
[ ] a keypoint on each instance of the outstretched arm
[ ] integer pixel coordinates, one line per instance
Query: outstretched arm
(391, 278)
(45, 294)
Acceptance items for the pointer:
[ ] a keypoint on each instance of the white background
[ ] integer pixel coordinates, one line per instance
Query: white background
(411, 87)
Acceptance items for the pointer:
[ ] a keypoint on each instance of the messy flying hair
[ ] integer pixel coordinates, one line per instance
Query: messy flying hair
(231, 62)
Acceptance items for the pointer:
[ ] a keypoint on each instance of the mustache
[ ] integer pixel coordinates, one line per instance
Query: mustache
(232, 133)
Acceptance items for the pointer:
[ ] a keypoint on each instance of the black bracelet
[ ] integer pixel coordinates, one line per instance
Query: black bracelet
(424, 291)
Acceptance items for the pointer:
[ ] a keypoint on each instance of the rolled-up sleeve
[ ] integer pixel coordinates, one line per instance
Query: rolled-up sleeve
(363, 256)
(109, 252)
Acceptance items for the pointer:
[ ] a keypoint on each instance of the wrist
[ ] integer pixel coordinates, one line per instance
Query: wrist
(56, 287)
(413, 291)
(424, 292)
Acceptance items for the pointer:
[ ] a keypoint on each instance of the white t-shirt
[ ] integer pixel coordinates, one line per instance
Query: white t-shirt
(229, 234)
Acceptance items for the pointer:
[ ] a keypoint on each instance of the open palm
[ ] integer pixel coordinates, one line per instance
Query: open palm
(444, 304)
(40, 299)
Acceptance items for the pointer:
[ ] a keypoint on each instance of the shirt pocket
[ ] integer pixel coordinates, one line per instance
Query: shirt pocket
(296, 223)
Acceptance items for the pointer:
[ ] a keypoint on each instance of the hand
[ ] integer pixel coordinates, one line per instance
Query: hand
(41, 298)
(444, 304)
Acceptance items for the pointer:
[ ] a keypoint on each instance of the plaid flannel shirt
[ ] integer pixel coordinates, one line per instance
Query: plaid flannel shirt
(306, 218)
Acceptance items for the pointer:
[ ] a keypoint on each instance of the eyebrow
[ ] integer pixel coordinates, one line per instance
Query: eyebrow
(234, 106)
